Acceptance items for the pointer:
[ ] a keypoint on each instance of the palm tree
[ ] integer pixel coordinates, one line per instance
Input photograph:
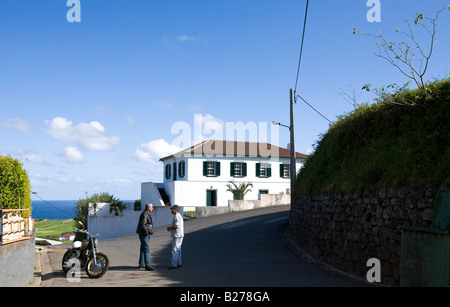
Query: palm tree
(116, 205)
(239, 190)
(95, 208)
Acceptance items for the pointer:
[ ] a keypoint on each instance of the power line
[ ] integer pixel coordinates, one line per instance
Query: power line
(34, 193)
(299, 63)
(301, 47)
(313, 108)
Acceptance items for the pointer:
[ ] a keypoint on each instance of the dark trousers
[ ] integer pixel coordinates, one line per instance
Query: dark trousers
(144, 257)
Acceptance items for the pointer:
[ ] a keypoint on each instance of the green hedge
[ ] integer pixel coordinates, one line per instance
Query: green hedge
(14, 185)
(384, 144)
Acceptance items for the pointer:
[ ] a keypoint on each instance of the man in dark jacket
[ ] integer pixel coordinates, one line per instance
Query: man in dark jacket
(144, 229)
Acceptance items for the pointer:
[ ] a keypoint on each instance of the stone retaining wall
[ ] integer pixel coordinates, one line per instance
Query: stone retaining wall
(347, 229)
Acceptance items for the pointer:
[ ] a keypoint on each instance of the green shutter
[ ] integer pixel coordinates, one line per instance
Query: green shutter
(232, 169)
(205, 168)
(258, 169)
(269, 171)
(208, 198)
(281, 170)
(217, 169)
(182, 169)
(244, 169)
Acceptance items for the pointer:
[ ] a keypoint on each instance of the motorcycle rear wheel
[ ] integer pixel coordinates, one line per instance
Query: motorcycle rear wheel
(97, 271)
(66, 265)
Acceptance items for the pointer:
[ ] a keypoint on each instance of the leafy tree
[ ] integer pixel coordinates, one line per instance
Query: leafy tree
(239, 190)
(137, 205)
(15, 190)
(83, 205)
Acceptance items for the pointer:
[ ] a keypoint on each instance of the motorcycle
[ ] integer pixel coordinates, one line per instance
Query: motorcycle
(85, 254)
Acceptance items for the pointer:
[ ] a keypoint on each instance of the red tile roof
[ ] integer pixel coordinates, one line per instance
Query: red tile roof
(235, 149)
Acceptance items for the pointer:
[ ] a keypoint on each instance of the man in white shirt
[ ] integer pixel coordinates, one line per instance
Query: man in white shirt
(177, 235)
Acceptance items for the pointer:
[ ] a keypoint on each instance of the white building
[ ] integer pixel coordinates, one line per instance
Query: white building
(197, 176)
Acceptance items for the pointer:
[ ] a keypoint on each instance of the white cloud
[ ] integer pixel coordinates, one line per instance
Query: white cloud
(152, 151)
(40, 181)
(18, 124)
(73, 155)
(130, 120)
(34, 158)
(118, 182)
(309, 150)
(163, 104)
(91, 136)
(208, 124)
(187, 38)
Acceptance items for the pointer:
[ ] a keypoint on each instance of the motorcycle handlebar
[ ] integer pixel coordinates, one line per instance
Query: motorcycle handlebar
(86, 232)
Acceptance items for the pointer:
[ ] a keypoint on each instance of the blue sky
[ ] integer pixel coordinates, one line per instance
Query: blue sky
(89, 107)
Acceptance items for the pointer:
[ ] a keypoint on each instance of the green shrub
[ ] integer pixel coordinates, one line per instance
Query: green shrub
(384, 144)
(83, 205)
(15, 190)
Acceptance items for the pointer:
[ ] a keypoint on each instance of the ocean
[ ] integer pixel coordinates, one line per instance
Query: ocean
(54, 209)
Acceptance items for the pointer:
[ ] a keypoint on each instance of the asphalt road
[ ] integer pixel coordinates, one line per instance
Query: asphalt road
(241, 249)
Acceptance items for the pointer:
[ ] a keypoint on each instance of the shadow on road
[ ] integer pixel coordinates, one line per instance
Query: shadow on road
(246, 252)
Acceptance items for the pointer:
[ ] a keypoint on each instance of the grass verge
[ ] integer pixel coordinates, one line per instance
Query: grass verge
(50, 229)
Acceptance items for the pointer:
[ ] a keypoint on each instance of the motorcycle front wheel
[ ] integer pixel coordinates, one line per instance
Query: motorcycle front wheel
(97, 271)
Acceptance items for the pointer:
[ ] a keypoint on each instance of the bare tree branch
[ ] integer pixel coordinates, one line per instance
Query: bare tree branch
(401, 56)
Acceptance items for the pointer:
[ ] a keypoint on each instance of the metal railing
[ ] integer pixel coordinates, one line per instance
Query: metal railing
(16, 225)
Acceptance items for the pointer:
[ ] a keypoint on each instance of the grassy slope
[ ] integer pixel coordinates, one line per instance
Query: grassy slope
(53, 228)
(384, 145)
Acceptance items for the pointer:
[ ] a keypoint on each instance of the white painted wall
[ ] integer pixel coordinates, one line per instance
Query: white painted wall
(116, 226)
(191, 190)
(150, 194)
(266, 200)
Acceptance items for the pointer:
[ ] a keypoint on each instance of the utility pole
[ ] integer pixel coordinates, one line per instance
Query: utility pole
(292, 172)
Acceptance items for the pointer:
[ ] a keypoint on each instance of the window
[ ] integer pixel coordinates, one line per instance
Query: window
(168, 171)
(181, 169)
(211, 169)
(263, 170)
(238, 169)
(285, 170)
